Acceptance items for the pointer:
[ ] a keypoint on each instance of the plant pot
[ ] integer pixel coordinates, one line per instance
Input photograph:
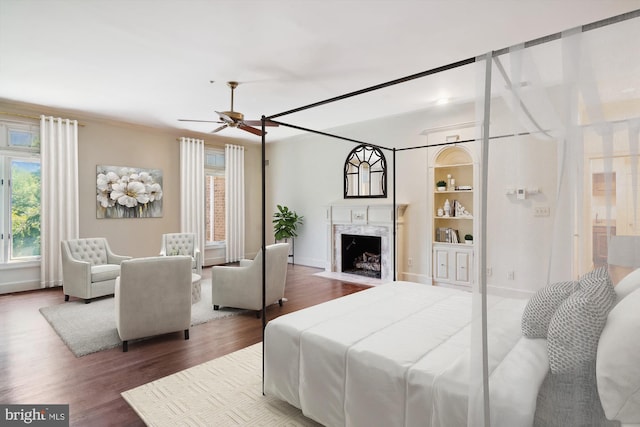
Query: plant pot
(469, 242)
(442, 188)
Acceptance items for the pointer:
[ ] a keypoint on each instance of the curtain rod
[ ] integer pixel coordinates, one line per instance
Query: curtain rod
(26, 116)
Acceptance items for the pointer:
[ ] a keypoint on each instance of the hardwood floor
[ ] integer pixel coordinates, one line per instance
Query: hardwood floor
(36, 367)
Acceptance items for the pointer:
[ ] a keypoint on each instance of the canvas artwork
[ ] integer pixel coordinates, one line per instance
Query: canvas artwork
(128, 192)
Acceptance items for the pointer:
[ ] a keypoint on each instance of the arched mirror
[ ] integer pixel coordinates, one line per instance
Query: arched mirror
(365, 173)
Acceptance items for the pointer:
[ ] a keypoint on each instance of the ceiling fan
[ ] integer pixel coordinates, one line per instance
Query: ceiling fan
(234, 119)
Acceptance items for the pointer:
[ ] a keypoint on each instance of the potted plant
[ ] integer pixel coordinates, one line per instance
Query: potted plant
(441, 185)
(468, 238)
(285, 223)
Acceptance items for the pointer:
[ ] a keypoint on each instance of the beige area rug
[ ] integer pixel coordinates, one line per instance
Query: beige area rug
(88, 328)
(222, 392)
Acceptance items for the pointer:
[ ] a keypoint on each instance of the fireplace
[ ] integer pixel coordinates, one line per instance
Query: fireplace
(361, 255)
(367, 224)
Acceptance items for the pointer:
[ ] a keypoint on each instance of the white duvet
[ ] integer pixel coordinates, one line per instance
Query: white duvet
(398, 355)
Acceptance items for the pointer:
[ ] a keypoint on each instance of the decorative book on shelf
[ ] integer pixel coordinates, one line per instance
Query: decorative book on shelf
(447, 235)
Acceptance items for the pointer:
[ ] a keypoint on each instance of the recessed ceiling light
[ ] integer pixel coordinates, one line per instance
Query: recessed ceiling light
(442, 101)
(628, 90)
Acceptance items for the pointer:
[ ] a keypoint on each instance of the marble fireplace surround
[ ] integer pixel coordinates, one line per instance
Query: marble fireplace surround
(364, 220)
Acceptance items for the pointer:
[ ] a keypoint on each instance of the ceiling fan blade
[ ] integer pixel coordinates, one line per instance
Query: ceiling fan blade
(259, 123)
(219, 129)
(250, 129)
(200, 121)
(224, 117)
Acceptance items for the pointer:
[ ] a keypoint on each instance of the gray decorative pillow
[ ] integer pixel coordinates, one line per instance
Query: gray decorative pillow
(574, 330)
(598, 273)
(543, 305)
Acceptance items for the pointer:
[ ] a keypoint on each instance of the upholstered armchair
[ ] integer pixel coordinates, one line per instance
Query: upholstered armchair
(183, 244)
(153, 297)
(241, 287)
(89, 268)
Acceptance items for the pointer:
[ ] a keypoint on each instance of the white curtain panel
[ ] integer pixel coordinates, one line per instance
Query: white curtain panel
(192, 188)
(234, 206)
(59, 218)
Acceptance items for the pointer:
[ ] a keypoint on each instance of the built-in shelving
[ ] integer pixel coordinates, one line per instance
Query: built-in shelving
(452, 256)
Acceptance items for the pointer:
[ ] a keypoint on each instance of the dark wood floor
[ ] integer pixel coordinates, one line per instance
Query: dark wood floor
(36, 367)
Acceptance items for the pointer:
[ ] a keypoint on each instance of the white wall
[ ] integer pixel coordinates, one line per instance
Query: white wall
(306, 172)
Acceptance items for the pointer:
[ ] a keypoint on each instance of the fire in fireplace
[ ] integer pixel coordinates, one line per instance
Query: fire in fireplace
(361, 255)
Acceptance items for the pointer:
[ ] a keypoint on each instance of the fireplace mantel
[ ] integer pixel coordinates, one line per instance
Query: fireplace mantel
(366, 220)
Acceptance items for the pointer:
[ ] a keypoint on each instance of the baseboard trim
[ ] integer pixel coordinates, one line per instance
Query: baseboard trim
(9, 288)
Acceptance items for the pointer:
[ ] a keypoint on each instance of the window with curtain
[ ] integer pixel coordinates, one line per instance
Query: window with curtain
(19, 192)
(215, 197)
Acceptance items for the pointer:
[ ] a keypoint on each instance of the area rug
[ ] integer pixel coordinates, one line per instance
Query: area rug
(88, 328)
(222, 392)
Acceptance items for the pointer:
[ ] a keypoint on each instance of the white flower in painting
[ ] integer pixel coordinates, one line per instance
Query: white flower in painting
(104, 181)
(105, 200)
(145, 178)
(155, 192)
(129, 194)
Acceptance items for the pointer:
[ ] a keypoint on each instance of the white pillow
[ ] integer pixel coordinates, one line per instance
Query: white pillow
(617, 367)
(628, 284)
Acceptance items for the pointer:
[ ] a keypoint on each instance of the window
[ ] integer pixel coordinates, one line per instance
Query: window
(19, 192)
(214, 188)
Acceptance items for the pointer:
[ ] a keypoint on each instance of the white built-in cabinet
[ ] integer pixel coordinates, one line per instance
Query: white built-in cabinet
(452, 257)
(452, 264)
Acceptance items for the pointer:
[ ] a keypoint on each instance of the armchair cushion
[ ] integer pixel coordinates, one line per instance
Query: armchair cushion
(100, 273)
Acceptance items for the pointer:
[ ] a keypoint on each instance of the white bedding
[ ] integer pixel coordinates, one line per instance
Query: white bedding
(398, 355)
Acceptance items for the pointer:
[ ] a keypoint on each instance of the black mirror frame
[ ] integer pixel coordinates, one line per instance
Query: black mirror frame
(369, 151)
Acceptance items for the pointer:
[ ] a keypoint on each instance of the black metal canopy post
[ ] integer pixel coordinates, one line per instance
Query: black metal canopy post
(264, 243)
(394, 224)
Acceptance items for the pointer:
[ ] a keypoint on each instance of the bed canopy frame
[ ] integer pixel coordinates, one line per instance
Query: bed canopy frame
(484, 139)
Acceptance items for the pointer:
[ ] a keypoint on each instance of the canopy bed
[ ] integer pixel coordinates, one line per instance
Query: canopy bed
(409, 354)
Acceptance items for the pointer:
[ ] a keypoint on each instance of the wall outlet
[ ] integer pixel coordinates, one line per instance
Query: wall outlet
(541, 211)
(409, 262)
(489, 271)
(511, 275)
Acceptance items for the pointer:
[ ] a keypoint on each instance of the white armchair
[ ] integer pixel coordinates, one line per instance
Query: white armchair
(153, 297)
(183, 244)
(241, 287)
(89, 268)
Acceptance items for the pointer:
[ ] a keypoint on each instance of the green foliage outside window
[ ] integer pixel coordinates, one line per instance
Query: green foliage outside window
(25, 208)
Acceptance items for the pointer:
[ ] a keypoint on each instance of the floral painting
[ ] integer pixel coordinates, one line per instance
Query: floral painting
(127, 192)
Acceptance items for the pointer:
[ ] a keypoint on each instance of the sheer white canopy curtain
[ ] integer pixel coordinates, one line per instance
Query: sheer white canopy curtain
(234, 204)
(192, 189)
(562, 128)
(59, 219)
